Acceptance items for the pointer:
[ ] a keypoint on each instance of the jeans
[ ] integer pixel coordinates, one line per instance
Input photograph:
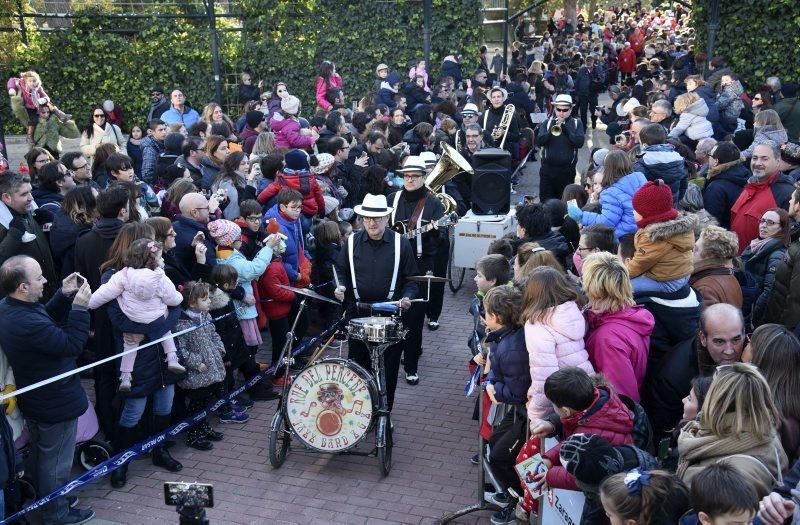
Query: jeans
(134, 407)
(646, 284)
(52, 453)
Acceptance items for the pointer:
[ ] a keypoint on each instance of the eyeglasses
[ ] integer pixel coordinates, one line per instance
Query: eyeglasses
(412, 176)
(99, 115)
(78, 168)
(372, 219)
(768, 222)
(253, 218)
(206, 208)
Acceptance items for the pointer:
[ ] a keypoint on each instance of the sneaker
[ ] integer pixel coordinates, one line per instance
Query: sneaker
(242, 405)
(505, 516)
(77, 516)
(73, 501)
(433, 325)
(412, 379)
(475, 459)
(501, 499)
(234, 416)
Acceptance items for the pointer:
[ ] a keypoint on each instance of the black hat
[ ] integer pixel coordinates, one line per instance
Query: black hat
(254, 118)
(158, 88)
(590, 458)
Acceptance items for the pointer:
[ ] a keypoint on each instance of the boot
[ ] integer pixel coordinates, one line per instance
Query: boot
(262, 391)
(208, 432)
(173, 365)
(197, 441)
(161, 456)
(125, 438)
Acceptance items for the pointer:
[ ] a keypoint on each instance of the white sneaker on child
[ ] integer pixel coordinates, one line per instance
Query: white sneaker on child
(173, 365)
(125, 382)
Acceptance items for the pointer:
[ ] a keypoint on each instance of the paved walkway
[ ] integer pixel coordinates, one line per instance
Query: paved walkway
(431, 474)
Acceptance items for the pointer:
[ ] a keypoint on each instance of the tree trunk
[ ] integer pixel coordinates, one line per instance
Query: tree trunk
(571, 12)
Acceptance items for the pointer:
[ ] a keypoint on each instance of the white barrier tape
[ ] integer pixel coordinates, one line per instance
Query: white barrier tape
(59, 377)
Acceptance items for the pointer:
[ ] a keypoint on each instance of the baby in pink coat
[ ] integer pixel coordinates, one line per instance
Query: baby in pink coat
(143, 292)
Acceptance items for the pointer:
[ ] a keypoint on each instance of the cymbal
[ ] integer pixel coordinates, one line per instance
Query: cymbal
(309, 293)
(428, 278)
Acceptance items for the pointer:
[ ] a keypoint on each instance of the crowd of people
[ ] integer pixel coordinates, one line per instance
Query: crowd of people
(644, 312)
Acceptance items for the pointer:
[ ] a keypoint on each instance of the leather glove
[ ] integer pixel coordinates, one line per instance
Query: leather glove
(574, 212)
(11, 402)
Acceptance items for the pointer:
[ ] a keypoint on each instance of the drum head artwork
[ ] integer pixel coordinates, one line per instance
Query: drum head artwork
(330, 406)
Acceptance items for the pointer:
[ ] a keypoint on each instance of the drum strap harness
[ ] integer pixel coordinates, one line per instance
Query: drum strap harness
(415, 219)
(350, 251)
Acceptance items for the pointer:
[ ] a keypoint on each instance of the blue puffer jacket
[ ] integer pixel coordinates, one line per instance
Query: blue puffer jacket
(661, 161)
(509, 372)
(248, 272)
(386, 94)
(616, 203)
(294, 242)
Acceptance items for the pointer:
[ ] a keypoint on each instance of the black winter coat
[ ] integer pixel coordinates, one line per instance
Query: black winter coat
(64, 234)
(228, 329)
(761, 268)
(552, 241)
(561, 151)
(725, 184)
(672, 361)
(415, 95)
(41, 342)
(149, 370)
(784, 304)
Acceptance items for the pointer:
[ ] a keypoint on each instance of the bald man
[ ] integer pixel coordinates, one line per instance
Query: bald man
(195, 212)
(721, 338)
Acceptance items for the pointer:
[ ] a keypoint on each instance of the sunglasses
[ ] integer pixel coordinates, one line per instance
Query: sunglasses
(99, 116)
(562, 110)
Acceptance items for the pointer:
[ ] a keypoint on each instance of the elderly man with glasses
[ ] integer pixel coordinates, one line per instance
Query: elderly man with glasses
(561, 136)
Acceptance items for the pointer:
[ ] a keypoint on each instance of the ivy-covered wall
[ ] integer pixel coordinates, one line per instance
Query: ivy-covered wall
(280, 40)
(289, 41)
(759, 38)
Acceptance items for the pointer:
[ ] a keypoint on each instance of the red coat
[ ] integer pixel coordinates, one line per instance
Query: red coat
(608, 417)
(627, 60)
(280, 300)
(305, 183)
(755, 199)
(637, 42)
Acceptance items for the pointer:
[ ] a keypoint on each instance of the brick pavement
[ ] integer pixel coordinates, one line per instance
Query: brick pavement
(431, 475)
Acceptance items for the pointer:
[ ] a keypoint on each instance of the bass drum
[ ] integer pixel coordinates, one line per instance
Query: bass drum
(330, 404)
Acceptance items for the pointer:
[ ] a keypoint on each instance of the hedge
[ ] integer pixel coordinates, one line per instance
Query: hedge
(758, 38)
(280, 40)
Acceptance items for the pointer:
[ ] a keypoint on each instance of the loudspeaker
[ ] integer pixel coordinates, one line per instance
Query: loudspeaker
(491, 183)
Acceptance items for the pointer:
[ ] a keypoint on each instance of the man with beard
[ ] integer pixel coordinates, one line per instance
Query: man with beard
(415, 206)
(768, 188)
(560, 149)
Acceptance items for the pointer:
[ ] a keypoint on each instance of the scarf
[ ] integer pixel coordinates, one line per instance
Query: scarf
(757, 244)
(700, 444)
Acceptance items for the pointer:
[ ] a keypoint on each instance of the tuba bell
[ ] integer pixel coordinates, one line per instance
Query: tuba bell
(450, 164)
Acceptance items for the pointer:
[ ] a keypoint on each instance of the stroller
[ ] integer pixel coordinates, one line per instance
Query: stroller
(89, 451)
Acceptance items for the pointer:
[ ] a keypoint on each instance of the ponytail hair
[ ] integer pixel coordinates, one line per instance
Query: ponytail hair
(650, 498)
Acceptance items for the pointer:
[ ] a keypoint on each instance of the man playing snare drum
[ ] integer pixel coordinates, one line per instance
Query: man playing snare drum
(374, 267)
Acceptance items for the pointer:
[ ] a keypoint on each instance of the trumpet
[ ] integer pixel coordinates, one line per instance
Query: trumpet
(557, 129)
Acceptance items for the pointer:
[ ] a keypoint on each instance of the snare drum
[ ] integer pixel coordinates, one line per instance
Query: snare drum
(375, 329)
(330, 404)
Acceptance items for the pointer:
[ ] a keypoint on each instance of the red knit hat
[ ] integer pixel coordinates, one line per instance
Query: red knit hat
(653, 202)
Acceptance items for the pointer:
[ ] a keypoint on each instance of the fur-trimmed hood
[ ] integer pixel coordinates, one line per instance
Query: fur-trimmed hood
(219, 299)
(719, 168)
(659, 231)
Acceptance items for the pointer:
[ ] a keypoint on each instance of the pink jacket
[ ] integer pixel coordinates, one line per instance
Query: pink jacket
(287, 134)
(618, 344)
(322, 90)
(142, 294)
(553, 344)
(29, 97)
(414, 71)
